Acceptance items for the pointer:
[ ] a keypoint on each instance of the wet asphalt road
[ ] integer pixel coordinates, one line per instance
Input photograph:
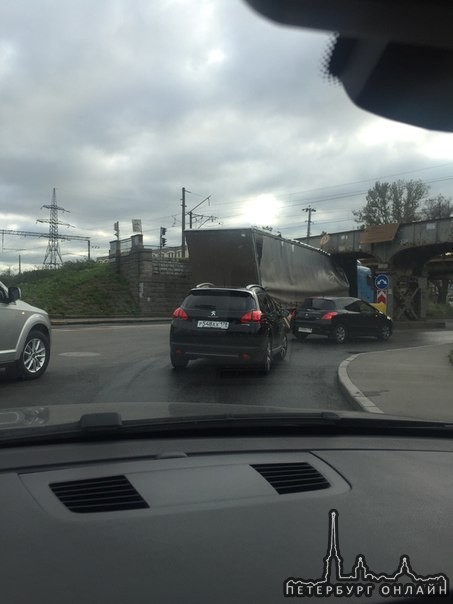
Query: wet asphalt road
(130, 363)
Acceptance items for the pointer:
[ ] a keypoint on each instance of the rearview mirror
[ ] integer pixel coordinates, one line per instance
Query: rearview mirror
(378, 76)
(393, 59)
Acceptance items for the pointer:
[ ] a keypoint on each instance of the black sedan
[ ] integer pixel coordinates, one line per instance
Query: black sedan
(339, 318)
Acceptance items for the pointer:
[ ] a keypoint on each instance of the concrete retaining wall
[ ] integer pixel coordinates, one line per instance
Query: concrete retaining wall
(158, 284)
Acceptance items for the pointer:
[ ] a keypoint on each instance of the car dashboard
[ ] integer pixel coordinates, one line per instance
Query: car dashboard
(227, 519)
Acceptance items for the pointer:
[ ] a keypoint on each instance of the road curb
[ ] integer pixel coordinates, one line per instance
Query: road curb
(354, 394)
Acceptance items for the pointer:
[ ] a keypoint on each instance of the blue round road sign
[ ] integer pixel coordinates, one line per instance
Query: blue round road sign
(381, 281)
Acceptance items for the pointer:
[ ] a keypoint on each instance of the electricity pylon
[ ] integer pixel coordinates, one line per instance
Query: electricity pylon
(52, 258)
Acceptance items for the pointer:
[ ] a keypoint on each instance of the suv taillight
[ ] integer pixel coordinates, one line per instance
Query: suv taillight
(329, 316)
(180, 313)
(254, 316)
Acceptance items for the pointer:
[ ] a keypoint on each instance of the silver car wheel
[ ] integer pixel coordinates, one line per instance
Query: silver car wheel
(35, 355)
(339, 334)
(385, 333)
(34, 358)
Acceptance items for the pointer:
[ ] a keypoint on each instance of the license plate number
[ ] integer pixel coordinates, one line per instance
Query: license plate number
(213, 324)
(305, 329)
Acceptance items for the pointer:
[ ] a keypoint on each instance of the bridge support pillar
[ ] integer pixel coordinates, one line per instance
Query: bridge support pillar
(408, 297)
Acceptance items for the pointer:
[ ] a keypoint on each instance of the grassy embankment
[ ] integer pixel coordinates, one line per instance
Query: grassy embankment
(77, 289)
(440, 311)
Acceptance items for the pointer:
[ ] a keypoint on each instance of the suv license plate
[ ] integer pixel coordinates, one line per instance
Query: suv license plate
(213, 324)
(305, 329)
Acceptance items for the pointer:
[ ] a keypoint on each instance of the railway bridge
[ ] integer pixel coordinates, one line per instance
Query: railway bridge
(408, 253)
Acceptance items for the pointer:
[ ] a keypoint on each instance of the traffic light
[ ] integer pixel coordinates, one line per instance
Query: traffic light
(163, 240)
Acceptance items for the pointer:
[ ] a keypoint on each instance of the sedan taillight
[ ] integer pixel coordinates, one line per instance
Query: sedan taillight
(180, 313)
(254, 316)
(329, 316)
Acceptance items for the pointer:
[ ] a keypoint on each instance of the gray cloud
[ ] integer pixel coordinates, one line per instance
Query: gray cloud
(120, 104)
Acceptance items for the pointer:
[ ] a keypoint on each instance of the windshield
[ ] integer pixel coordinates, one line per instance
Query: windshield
(148, 147)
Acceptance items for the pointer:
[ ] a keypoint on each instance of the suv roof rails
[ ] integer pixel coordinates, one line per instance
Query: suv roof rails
(249, 287)
(205, 285)
(252, 285)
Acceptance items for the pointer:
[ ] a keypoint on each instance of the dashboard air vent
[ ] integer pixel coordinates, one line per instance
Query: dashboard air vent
(292, 477)
(108, 494)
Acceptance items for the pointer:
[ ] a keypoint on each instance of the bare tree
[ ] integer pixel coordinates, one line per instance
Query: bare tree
(437, 207)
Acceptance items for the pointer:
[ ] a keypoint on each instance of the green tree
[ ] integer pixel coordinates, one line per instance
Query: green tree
(387, 202)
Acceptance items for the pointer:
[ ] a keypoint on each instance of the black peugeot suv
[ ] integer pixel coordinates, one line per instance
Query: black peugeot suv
(242, 326)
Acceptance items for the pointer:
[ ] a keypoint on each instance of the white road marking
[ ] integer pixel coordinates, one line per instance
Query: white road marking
(79, 354)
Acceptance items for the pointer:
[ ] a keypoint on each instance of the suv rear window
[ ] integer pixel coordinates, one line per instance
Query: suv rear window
(318, 304)
(220, 300)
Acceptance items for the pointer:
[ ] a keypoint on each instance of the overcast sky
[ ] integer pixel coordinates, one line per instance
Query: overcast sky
(119, 104)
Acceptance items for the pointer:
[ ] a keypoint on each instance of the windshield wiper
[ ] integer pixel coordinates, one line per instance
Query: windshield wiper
(111, 426)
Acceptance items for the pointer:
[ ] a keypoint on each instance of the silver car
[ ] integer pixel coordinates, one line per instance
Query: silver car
(25, 336)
